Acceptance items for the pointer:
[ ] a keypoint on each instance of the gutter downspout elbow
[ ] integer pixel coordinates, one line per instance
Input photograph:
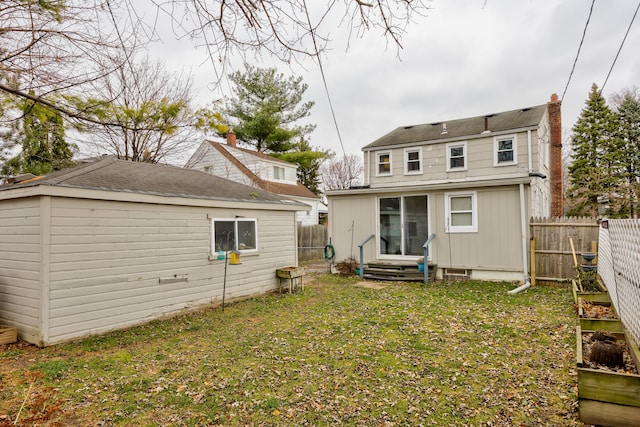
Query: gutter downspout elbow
(526, 285)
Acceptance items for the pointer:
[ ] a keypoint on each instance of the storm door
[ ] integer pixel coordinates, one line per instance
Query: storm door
(404, 226)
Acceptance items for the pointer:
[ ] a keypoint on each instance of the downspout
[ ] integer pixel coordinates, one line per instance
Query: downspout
(523, 230)
(530, 160)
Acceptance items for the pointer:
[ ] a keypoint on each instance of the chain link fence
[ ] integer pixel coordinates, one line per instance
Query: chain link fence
(619, 268)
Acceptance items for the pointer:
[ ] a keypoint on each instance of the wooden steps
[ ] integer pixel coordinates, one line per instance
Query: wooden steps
(398, 272)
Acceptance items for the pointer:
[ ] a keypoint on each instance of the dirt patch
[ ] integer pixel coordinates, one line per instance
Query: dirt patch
(372, 285)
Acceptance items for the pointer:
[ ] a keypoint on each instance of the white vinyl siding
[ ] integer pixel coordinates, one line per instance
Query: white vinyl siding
(20, 269)
(412, 161)
(111, 265)
(505, 150)
(383, 163)
(461, 212)
(457, 156)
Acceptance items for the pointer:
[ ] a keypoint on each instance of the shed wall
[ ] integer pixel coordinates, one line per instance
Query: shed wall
(116, 264)
(20, 254)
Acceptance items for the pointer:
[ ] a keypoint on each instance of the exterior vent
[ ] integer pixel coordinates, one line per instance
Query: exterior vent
(456, 274)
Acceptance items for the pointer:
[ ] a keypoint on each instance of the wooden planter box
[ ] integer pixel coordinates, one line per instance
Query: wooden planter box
(293, 275)
(589, 296)
(605, 397)
(8, 334)
(595, 324)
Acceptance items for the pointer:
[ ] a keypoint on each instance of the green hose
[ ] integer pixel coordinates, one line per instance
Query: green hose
(329, 252)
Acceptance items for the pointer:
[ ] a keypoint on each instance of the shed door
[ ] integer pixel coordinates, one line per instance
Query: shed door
(404, 226)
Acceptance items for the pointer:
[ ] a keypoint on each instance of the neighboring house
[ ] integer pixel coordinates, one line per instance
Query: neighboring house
(258, 170)
(112, 243)
(472, 182)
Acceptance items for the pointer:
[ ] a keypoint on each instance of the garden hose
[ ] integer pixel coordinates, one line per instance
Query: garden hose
(329, 253)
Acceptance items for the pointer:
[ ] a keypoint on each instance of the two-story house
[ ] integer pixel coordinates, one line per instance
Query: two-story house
(258, 170)
(474, 183)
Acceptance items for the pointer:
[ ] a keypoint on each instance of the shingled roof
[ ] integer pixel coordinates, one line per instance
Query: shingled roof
(110, 174)
(297, 190)
(462, 128)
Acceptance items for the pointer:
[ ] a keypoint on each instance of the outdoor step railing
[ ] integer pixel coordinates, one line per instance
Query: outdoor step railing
(425, 250)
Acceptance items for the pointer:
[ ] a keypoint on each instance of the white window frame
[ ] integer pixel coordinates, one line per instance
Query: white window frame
(407, 151)
(275, 175)
(473, 228)
(234, 245)
(464, 156)
(380, 154)
(496, 145)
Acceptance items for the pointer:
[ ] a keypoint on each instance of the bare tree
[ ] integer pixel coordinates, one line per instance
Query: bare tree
(50, 47)
(341, 173)
(143, 113)
(285, 29)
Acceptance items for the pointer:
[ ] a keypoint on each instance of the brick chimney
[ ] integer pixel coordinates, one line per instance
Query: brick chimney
(231, 138)
(555, 154)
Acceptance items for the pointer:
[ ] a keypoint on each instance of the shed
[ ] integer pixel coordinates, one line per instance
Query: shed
(112, 243)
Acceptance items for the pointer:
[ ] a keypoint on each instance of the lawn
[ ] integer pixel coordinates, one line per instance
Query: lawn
(338, 354)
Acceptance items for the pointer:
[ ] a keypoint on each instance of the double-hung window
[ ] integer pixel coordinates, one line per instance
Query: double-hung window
(461, 212)
(383, 161)
(413, 161)
(278, 172)
(228, 234)
(457, 156)
(505, 150)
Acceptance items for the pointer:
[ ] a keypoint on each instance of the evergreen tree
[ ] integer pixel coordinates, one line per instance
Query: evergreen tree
(594, 173)
(44, 148)
(628, 135)
(308, 162)
(266, 107)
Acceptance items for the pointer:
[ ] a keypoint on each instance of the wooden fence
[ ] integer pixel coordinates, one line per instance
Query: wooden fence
(552, 261)
(311, 241)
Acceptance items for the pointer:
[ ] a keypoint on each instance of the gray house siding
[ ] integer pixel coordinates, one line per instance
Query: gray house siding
(72, 267)
(20, 266)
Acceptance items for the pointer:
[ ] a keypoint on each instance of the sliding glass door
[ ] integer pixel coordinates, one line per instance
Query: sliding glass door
(403, 225)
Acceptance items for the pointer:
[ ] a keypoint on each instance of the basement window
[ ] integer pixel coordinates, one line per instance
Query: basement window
(229, 234)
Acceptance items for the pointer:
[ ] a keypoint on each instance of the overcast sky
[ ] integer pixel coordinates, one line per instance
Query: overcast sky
(466, 58)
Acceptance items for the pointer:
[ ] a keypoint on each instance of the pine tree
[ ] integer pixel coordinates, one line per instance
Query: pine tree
(628, 135)
(594, 173)
(44, 148)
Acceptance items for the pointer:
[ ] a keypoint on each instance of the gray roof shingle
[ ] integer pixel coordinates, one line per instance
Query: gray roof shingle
(154, 179)
(461, 128)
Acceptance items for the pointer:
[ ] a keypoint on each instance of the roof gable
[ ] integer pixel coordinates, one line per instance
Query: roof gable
(462, 128)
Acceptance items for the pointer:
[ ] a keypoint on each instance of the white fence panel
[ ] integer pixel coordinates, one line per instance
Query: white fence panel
(619, 267)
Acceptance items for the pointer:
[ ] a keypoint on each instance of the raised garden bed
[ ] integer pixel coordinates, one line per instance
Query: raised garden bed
(600, 294)
(598, 315)
(608, 396)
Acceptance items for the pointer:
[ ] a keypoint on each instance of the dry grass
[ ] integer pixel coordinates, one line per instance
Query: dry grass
(337, 354)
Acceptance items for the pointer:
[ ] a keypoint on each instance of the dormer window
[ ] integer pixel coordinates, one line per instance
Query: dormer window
(505, 150)
(278, 173)
(383, 163)
(457, 156)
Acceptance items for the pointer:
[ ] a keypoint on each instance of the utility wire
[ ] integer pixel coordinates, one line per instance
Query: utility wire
(324, 80)
(584, 32)
(620, 48)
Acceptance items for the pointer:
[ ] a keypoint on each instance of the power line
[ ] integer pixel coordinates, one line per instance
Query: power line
(324, 80)
(584, 32)
(620, 48)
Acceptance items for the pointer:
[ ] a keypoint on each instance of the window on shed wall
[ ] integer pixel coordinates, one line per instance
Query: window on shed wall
(239, 234)
(461, 212)
(413, 161)
(278, 172)
(383, 163)
(505, 151)
(457, 156)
